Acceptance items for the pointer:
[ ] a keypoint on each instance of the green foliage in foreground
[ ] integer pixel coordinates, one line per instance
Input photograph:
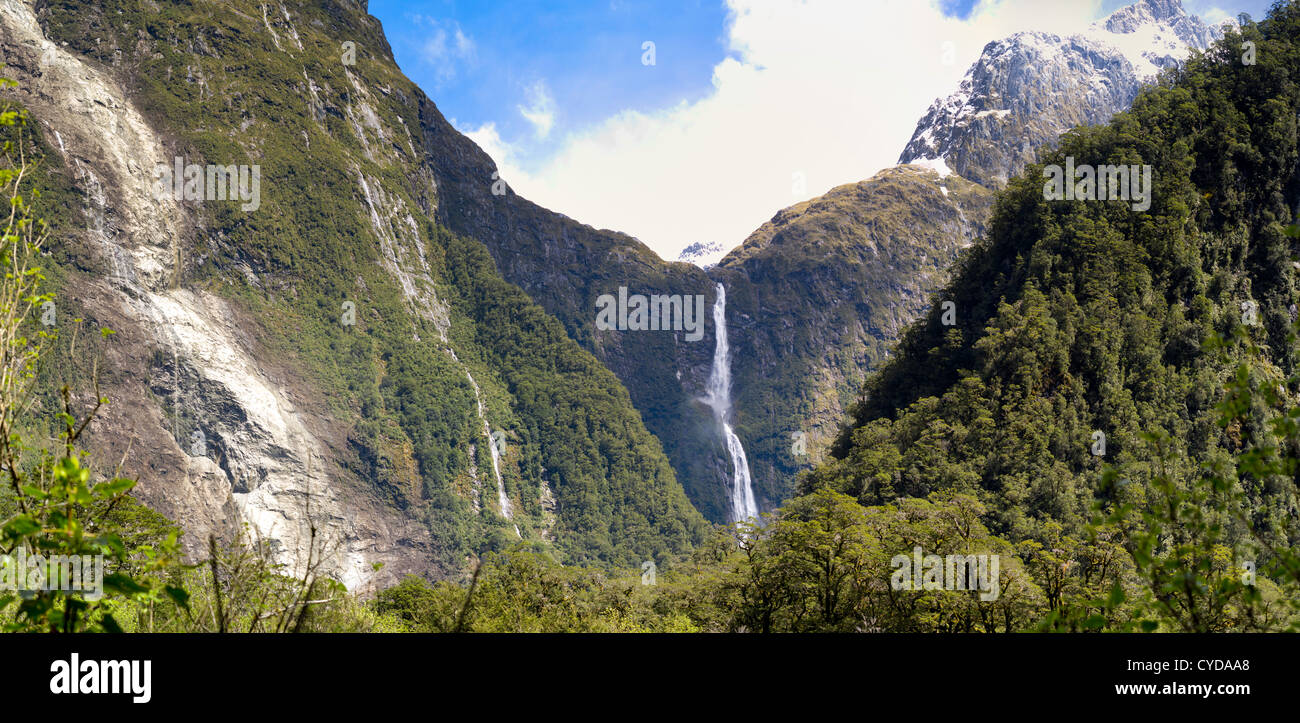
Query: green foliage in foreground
(827, 564)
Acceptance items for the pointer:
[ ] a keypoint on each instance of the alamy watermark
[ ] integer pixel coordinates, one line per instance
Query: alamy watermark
(949, 315)
(75, 676)
(799, 444)
(1100, 183)
(192, 182)
(953, 572)
(657, 312)
(80, 574)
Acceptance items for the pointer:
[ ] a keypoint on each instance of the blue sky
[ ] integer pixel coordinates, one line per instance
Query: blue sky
(552, 88)
(584, 55)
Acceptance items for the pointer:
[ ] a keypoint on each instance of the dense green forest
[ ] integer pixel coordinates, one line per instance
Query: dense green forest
(1078, 320)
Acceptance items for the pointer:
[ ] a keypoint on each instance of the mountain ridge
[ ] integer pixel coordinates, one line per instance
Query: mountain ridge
(1026, 89)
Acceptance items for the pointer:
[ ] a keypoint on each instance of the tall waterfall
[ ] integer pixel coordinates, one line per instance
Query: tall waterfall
(718, 397)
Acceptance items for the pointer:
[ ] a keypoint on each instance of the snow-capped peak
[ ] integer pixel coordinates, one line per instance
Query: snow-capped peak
(703, 253)
(1027, 89)
(1153, 34)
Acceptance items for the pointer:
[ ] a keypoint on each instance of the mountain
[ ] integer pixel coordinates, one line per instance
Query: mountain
(826, 288)
(806, 331)
(565, 267)
(1090, 334)
(326, 362)
(703, 254)
(821, 292)
(465, 405)
(1027, 89)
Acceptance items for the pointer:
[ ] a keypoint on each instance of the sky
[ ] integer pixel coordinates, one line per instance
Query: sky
(682, 121)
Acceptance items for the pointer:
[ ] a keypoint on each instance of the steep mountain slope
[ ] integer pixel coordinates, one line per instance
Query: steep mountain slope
(813, 299)
(822, 291)
(861, 309)
(565, 267)
(328, 358)
(792, 375)
(355, 157)
(1089, 333)
(893, 238)
(1025, 90)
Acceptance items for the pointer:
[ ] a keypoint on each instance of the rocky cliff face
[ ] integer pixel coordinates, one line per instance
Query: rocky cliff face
(1025, 90)
(327, 366)
(183, 352)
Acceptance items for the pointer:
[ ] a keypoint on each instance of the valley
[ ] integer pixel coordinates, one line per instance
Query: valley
(338, 358)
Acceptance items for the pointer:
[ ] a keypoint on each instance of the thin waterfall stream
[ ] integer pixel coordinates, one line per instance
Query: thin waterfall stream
(718, 397)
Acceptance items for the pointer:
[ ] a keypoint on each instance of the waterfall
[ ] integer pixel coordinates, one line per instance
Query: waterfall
(503, 500)
(718, 397)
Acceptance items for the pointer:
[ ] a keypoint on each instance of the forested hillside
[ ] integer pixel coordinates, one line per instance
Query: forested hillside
(390, 348)
(1080, 316)
(1081, 319)
(1112, 412)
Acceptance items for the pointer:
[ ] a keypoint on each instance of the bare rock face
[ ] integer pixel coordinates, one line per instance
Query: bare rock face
(217, 436)
(1187, 30)
(1025, 90)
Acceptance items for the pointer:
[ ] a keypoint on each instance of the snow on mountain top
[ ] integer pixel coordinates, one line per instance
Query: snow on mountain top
(1153, 34)
(1027, 88)
(703, 254)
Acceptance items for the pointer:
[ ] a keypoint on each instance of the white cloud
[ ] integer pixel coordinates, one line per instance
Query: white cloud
(1216, 15)
(829, 89)
(446, 47)
(540, 110)
(490, 141)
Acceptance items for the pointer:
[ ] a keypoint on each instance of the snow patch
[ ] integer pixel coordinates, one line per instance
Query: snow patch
(703, 253)
(934, 164)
